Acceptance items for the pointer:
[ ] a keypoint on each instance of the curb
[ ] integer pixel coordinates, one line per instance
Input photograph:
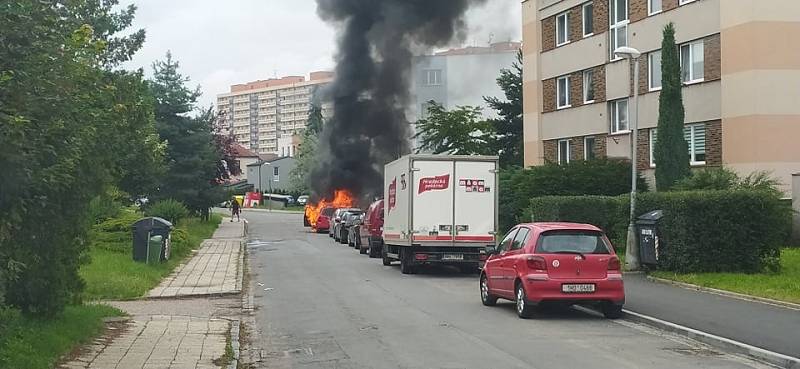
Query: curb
(773, 358)
(235, 325)
(735, 295)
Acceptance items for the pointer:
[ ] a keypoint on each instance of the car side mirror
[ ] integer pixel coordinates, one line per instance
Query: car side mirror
(491, 250)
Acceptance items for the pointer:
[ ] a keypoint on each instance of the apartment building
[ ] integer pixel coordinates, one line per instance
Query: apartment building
(260, 113)
(739, 63)
(458, 77)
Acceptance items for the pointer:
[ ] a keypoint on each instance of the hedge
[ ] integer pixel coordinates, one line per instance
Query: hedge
(704, 231)
(592, 177)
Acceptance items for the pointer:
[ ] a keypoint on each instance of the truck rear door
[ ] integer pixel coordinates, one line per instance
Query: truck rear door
(475, 194)
(433, 200)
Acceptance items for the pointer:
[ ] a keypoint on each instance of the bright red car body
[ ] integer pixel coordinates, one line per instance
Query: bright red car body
(324, 219)
(564, 263)
(371, 230)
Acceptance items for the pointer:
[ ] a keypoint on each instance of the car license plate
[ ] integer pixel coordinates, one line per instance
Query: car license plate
(577, 288)
(453, 257)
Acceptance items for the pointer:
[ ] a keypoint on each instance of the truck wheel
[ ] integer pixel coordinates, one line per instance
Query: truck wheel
(405, 263)
(486, 298)
(386, 260)
(469, 268)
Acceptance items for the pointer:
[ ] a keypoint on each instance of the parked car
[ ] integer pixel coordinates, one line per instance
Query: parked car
(336, 221)
(348, 219)
(562, 263)
(324, 219)
(353, 238)
(371, 230)
(302, 200)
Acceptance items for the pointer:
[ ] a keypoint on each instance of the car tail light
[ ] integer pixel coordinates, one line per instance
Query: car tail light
(536, 263)
(421, 256)
(613, 263)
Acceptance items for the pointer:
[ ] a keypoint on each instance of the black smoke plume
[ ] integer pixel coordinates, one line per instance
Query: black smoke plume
(370, 93)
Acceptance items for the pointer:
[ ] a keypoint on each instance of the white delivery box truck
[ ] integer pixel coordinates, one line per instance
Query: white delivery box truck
(439, 209)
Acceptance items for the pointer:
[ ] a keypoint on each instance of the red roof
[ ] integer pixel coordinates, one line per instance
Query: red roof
(240, 151)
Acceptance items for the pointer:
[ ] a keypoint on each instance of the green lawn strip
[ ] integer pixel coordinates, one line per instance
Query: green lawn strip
(784, 286)
(30, 343)
(112, 273)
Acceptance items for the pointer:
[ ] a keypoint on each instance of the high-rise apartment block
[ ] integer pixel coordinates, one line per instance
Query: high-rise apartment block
(740, 67)
(261, 113)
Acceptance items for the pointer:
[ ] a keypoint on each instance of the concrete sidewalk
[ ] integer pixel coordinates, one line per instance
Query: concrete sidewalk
(189, 331)
(769, 327)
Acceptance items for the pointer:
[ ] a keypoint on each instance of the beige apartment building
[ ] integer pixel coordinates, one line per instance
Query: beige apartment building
(268, 116)
(740, 65)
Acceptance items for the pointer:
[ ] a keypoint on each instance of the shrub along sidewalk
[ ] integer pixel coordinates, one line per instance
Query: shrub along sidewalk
(112, 273)
(784, 286)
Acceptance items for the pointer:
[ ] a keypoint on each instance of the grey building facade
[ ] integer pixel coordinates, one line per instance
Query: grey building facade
(275, 174)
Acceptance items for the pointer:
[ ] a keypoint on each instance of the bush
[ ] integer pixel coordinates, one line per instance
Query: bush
(704, 231)
(593, 177)
(169, 209)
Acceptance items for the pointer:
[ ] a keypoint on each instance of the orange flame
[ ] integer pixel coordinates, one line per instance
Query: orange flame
(341, 199)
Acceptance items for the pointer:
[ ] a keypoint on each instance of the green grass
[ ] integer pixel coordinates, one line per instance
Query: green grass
(28, 343)
(784, 286)
(112, 273)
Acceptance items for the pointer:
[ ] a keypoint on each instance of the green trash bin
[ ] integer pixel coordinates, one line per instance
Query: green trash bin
(154, 250)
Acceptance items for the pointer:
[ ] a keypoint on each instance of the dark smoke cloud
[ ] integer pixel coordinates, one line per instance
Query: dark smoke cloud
(370, 93)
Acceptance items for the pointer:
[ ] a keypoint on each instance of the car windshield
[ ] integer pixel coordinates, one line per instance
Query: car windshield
(568, 241)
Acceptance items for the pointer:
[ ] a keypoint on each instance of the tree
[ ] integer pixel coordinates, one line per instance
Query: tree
(456, 132)
(508, 128)
(308, 149)
(224, 143)
(671, 152)
(192, 157)
(70, 127)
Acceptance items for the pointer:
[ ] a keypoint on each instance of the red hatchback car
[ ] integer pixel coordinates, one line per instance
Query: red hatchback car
(324, 219)
(563, 263)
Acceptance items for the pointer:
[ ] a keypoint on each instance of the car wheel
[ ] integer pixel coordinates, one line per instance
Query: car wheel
(524, 309)
(612, 311)
(486, 298)
(362, 250)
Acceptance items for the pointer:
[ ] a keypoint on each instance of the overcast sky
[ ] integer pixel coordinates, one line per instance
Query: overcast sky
(220, 43)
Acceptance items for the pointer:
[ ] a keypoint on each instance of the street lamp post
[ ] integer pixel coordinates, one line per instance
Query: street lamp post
(632, 249)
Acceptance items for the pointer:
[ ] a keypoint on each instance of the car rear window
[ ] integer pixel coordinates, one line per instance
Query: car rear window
(584, 242)
(327, 212)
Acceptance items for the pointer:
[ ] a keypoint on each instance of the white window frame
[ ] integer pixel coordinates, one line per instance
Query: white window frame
(587, 85)
(436, 81)
(586, 147)
(690, 47)
(276, 174)
(650, 71)
(692, 129)
(583, 19)
(566, 40)
(566, 92)
(650, 8)
(614, 112)
(615, 25)
(559, 151)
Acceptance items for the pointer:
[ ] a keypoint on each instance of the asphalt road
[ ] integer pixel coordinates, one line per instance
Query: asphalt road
(322, 305)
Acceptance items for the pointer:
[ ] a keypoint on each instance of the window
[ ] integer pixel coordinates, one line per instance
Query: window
(520, 239)
(654, 71)
(654, 7)
(695, 136)
(588, 86)
(619, 115)
(276, 174)
(562, 93)
(692, 62)
(584, 242)
(562, 29)
(505, 244)
(433, 77)
(588, 19)
(618, 24)
(588, 148)
(563, 152)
